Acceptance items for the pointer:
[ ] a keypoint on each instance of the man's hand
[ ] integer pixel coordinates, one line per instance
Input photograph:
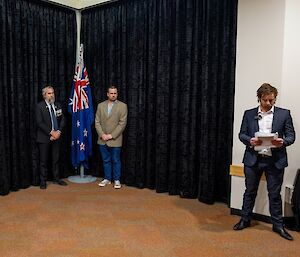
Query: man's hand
(54, 135)
(278, 142)
(254, 141)
(106, 137)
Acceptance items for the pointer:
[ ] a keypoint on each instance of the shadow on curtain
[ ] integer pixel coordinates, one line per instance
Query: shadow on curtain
(37, 47)
(174, 64)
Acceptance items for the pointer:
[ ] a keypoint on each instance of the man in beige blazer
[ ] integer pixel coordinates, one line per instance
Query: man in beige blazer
(110, 122)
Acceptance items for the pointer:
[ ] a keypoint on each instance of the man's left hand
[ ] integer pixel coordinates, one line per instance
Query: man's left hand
(278, 142)
(106, 137)
(55, 135)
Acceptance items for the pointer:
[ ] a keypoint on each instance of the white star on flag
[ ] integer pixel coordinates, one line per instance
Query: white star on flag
(82, 145)
(85, 132)
(78, 123)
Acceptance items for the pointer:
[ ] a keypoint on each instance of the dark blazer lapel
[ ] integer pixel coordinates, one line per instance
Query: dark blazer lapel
(47, 114)
(256, 128)
(275, 119)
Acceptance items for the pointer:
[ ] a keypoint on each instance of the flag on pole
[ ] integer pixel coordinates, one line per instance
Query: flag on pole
(81, 108)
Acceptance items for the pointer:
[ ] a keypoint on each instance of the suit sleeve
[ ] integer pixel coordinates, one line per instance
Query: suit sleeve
(122, 123)
(289, 131)
(40, 122)
(244, 134)
(98, 126)
(62, 123)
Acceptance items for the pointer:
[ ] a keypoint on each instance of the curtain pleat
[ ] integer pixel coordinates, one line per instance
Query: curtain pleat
(37, 47)
(174, 64)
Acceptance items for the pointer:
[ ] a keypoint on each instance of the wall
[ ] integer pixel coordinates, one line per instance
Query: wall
(267, 51)
(259, 57)
(78, 4)
(290, 89)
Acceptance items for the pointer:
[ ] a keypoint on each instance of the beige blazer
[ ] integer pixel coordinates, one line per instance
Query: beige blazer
(113, 124)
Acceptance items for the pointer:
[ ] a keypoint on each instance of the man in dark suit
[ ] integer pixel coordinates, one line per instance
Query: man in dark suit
(266, 118)
(50, 122)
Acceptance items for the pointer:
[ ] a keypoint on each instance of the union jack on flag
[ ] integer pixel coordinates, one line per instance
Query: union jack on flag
(81, 108)
(80, 98)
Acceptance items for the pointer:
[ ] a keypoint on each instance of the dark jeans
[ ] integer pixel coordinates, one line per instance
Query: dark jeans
(111, 161)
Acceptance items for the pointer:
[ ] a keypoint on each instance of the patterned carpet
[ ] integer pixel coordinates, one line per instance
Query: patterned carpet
(85, 220)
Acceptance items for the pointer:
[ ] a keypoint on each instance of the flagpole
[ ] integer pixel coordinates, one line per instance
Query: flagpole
(81, 171)
(81, 178)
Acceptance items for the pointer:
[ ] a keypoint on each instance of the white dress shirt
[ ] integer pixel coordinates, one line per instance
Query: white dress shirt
(265, 126)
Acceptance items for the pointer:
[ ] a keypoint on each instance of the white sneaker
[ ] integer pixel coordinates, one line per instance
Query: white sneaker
(117, 184)
(104, 182)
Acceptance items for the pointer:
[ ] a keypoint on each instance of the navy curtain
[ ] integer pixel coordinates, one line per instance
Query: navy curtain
(37, 47)
(174, 64)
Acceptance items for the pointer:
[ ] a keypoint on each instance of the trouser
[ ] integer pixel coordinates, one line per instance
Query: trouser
(274, 179)
(111, 157)
(45, 149)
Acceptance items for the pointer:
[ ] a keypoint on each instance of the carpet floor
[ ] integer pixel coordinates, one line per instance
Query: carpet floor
(84, 220)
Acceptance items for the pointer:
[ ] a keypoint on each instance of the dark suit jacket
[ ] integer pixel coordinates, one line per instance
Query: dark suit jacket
(43, 121)
(282, 124)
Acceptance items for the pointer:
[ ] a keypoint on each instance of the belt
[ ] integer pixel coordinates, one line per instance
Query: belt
(264, 156)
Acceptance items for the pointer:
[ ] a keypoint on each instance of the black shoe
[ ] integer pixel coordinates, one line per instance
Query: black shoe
(283, 233)
(60, 182)
(241, 225)
(43, 186)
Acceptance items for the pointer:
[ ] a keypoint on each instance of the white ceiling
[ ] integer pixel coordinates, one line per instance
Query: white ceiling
(78, 4)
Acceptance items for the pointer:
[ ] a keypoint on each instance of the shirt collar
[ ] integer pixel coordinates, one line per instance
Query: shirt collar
(113, 102)
(49, 105)
(268, 112)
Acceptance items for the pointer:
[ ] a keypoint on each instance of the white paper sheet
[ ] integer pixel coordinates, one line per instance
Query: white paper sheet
(266, 139)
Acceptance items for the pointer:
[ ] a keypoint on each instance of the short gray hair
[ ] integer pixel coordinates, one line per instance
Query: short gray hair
(45, 88)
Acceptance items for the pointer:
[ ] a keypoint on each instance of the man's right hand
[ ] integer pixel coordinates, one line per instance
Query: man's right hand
(106, 137)
(54, 135)
(254, 141)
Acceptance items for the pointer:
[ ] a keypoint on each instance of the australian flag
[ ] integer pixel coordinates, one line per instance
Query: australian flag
(81, 108)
